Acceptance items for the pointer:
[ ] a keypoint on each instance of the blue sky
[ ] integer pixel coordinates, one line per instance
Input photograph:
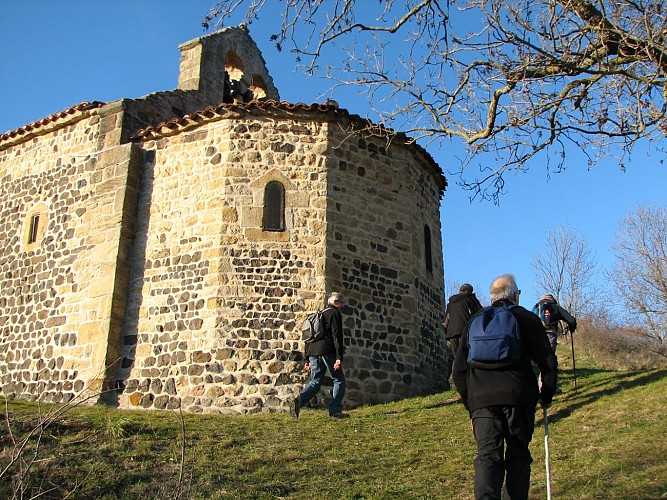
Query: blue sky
(57, 54)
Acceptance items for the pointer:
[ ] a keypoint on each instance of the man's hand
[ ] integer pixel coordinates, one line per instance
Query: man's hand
(337, 365)
(307, 366)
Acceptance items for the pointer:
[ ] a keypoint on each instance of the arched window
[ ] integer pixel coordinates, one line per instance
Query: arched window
(258, 87)
(427, 249)
(233, 65)
(274, 207)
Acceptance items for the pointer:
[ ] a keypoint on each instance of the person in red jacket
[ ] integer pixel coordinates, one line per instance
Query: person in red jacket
(501, 400)
(326, 355)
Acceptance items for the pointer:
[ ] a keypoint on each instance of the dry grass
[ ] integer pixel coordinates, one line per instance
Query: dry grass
(614, 350)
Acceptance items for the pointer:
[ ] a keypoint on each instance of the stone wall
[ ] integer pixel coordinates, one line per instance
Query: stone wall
(380, 199)
(58, 293)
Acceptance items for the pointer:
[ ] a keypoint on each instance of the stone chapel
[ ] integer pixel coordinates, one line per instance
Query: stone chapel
(162, 252)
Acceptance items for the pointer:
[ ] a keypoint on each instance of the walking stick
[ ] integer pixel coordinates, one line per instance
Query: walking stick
(546, 452)
(574, 365)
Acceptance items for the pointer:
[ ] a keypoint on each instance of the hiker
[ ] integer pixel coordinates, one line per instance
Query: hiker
(460, 308)
(326, 355)
(501, 397)
(551, 314)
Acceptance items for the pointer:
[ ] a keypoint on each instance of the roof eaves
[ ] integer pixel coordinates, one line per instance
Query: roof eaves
(37, 127)
(214, 113)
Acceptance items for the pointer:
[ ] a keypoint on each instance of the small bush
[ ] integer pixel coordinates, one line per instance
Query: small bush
(616, 349)
(116, 427)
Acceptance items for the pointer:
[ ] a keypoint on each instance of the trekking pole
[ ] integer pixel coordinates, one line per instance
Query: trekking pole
(574, 365)
(546, 451)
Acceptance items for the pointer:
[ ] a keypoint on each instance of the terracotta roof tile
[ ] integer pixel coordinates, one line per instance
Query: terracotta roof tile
(212, 112)
(175, 125)
(42, 122)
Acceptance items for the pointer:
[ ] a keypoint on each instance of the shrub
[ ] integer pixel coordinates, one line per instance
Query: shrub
(615, 348)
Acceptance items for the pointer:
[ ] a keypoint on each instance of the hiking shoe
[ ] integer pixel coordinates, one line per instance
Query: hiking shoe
(295, 409)
(340, 414)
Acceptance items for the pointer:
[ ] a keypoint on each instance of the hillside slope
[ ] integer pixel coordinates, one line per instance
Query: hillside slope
(607, 441)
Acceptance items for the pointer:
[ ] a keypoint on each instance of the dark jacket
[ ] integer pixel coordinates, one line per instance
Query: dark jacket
(332, 343)
(460, 308)
(510, 386)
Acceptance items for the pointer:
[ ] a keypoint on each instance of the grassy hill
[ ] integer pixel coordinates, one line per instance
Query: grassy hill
(607, 441)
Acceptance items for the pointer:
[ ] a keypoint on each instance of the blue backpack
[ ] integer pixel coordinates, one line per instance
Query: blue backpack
(548, 313)
(494, 339)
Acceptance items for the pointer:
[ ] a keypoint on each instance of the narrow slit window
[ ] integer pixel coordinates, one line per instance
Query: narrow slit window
(427, 249)
(34, 227)
(274, 207)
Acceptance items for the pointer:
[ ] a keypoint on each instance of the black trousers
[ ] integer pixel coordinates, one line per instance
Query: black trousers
(503, 434)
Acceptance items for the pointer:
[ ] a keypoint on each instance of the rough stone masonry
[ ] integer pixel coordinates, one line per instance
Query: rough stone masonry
(161, 252)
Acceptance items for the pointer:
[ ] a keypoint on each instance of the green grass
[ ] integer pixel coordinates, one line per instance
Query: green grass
(607, 442)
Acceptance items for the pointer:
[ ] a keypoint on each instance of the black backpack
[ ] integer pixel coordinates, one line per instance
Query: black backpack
(494, 339)
(312, 329)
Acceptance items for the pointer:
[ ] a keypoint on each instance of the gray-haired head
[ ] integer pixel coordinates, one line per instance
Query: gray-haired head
(336, 297)
(504, 287)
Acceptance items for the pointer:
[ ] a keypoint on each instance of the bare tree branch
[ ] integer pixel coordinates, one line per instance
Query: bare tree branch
(518, 82)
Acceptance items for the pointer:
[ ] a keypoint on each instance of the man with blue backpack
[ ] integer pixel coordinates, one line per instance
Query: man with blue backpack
(493, 374)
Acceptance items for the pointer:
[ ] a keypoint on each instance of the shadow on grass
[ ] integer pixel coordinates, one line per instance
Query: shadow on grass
(447, 402)
(589, 393)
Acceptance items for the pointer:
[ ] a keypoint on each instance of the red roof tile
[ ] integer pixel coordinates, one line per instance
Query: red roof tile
(210, 113)
(42, 122)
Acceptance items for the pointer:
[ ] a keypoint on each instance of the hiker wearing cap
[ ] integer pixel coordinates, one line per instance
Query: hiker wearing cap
(326, 355)
(499, 388)
(551, 314)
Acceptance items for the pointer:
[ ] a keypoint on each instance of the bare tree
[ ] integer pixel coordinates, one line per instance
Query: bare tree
(640, 274)
(514, 79)
(451, 287)
(566, 269)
